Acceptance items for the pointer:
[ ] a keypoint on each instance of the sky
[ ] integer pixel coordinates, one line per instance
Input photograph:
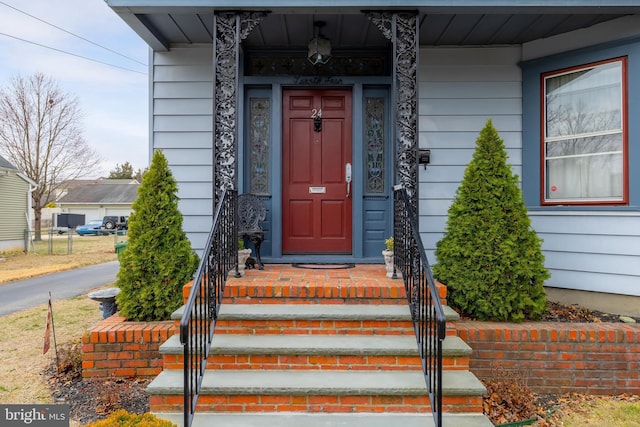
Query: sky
(107, 74)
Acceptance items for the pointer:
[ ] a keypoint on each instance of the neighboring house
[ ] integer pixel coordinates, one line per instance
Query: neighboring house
(15, 206)
(98, 198)
(64, 188)
(236, 102)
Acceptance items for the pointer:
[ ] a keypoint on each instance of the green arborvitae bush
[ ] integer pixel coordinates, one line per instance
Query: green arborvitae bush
(489, 257)
(159, 259)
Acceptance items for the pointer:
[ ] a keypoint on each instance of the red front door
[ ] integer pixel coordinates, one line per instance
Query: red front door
(316, 152)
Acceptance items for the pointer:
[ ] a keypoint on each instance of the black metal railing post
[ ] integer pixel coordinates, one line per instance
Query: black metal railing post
(201, 310)
(424, 301)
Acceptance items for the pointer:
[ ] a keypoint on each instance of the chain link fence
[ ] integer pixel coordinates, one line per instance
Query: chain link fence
(58, 241)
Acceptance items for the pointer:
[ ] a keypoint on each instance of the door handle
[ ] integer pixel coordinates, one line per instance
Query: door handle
(347, 175)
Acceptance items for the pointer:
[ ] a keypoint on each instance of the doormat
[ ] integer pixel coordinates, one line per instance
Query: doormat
(323, 266)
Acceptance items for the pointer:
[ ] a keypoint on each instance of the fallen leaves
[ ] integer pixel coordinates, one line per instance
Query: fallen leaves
(557, 312)
(508, 400)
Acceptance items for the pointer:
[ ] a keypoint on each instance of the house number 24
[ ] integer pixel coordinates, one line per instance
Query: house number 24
(315, 113)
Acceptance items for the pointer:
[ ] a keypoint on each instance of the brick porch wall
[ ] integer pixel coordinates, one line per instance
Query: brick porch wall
(593, 358)
(551, 357)
(115, 347)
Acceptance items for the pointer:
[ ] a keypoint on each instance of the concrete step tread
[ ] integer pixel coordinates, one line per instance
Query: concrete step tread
(283, 419)
(325, 382)
(383, 312)
(338, 345)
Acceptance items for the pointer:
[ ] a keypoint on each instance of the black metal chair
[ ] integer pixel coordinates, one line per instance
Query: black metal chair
(252, 211)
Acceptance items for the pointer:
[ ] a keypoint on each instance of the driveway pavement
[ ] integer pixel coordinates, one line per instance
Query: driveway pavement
(22, 294)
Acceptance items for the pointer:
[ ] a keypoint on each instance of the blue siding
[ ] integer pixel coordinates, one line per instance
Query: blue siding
(182, 127)
(460, 88)
(591, 250)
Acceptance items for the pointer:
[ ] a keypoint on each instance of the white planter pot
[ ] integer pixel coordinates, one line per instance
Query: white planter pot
(388, 262)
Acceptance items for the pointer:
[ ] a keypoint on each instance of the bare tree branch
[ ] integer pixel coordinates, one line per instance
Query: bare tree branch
(40, 133)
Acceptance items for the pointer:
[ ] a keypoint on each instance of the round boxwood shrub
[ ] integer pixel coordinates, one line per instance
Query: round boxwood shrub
(489, 257)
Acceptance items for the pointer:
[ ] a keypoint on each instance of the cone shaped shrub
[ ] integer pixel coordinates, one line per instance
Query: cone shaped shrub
(158, 260)
(489, 257)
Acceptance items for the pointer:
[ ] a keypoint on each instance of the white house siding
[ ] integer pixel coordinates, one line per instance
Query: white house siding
(460, 89)
(182, 129)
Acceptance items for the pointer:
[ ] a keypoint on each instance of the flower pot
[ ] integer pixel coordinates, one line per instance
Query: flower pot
(388, 262)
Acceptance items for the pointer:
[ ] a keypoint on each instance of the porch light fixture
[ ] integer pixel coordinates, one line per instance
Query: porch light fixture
(319, 46)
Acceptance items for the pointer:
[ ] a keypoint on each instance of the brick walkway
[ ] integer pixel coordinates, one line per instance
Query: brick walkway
(325, 285)
(374, 273)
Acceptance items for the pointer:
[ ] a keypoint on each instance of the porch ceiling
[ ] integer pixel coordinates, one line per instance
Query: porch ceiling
(349, 28)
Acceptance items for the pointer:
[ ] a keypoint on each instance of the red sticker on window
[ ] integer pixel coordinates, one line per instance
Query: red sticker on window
(554, 188)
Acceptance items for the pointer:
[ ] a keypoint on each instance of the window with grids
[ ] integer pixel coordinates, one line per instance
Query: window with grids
(584, 135)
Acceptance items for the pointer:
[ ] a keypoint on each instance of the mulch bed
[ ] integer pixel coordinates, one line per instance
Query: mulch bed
(557, 312)
(94, 399)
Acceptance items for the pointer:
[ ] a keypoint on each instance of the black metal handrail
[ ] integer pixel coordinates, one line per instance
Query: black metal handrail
(201, 311)
(426, 308)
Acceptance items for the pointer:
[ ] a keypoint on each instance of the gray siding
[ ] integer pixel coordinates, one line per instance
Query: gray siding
(13, 199)
(460, 88)
(182, 129)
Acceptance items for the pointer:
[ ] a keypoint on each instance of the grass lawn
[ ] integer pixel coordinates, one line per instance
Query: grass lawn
(86, 250)
(21, 373)
(21, 345)
(596, 411)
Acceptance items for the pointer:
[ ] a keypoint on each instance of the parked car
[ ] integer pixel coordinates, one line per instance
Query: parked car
(91, 228)
(112, 223)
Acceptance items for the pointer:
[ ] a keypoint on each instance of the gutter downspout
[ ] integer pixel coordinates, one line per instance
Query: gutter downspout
(33, 186)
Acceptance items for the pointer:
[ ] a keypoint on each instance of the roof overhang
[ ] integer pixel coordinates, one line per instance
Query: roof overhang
(289, 24)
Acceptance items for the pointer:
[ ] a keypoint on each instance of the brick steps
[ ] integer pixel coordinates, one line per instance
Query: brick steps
(318, 348)
(277, 284)
(317, 352)
(317, 391)
(329, 420)
(333, 319)
(313, 292)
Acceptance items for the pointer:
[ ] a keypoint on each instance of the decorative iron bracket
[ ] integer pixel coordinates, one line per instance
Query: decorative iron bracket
(402, 29)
